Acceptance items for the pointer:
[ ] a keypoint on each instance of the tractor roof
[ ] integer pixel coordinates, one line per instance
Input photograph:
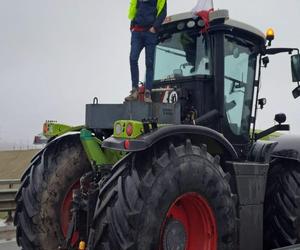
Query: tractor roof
(221, 14)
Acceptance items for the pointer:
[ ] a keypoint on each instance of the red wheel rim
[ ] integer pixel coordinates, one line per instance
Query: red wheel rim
(65, 213)
(197, 220)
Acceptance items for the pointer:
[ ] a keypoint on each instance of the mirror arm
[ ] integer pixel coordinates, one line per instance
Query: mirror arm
(278, 127)
(274, 51)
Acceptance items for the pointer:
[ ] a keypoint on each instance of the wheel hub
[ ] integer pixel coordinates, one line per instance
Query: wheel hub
(174, 235)
(189, 225)
(66, 215)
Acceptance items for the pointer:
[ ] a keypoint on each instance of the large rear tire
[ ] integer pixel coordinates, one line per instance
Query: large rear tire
(179, 199)
(45, 195)
(282, 205)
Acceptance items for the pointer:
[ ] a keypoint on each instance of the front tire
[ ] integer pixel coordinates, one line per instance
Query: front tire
(45, 195)
(282, 205)
(180, 198)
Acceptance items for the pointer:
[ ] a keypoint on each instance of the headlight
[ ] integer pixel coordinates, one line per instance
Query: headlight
(118, 128)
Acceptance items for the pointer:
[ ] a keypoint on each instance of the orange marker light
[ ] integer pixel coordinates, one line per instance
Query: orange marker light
(270, 34)
(81, 245)
(45, 128)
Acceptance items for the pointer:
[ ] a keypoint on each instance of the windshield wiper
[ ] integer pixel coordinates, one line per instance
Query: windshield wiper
(171, 52)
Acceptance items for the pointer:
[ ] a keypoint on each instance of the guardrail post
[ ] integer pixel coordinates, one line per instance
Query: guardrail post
(9, 218)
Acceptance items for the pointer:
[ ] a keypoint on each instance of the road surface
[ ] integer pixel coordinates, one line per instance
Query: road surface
(9, 245)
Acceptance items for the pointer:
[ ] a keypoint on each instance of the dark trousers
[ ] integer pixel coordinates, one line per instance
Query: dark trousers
(140, 40)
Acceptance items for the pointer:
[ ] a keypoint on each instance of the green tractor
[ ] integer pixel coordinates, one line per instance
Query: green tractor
(187, 171)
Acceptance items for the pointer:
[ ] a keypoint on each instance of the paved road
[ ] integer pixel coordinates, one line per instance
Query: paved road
(10, 245)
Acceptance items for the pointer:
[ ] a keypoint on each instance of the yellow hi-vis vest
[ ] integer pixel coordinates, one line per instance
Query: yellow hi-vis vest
(133, 3)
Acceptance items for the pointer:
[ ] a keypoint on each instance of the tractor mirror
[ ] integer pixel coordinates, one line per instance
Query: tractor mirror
(280, 118)
(295, 64)
(296, 92)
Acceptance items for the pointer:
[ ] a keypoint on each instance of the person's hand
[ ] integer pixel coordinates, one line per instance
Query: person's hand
(152, 30)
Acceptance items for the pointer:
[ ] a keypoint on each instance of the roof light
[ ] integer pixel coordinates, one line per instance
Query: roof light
(201, 23)
(180, 26)
(270, 35)
(191, 24)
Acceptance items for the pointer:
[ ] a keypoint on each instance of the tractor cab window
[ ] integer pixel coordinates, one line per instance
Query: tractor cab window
(185, 53)
(239, 74)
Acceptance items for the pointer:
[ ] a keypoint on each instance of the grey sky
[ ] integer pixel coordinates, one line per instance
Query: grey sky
(56, 55)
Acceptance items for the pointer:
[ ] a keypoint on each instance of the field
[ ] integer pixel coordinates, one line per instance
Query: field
(14, 163)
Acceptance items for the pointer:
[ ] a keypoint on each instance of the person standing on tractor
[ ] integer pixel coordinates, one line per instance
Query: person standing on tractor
(146, 18)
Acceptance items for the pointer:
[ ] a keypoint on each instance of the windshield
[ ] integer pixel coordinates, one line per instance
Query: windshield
(185, 53)
(239, 63)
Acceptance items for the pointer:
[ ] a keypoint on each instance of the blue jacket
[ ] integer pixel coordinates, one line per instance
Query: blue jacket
(146, 14)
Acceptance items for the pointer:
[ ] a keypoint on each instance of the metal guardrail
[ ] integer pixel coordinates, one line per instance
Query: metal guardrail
(9, 182)
(8, 190)
(7, 200)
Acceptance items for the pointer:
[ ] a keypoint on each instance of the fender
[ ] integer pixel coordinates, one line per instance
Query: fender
(283, 147)
(215, 141)
(26, 174)
(287, 147)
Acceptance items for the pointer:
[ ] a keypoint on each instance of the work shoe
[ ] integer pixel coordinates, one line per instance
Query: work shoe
(133, 95)
(147, 96)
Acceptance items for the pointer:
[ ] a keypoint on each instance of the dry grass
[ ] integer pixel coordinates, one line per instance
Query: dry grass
(3, 215)
(14, 163)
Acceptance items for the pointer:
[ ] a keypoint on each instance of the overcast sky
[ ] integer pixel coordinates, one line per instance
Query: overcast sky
(56, 55)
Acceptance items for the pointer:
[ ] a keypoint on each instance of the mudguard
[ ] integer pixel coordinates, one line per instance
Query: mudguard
(215, 141)
(284, 147)
(287, 147)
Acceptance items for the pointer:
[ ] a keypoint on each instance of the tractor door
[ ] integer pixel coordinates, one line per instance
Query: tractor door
(235, 76)
(240, 59)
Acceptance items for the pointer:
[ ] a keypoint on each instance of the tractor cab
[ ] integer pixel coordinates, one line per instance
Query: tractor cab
(212, 71)
(205, 74)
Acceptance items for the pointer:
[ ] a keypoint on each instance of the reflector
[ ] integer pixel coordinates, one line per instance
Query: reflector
(126, 144)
